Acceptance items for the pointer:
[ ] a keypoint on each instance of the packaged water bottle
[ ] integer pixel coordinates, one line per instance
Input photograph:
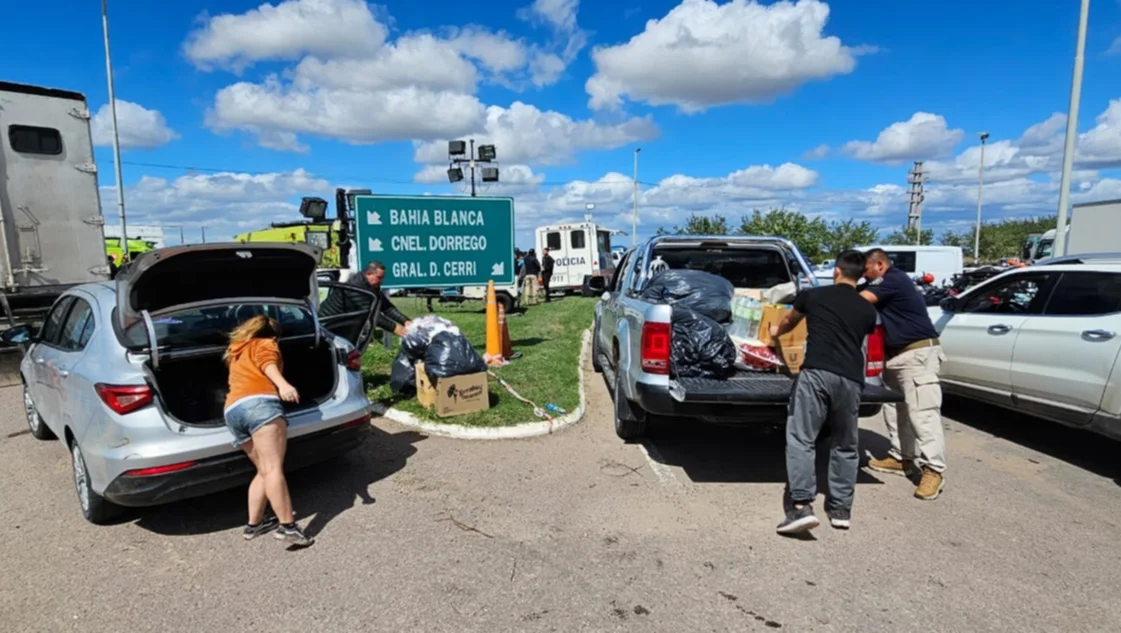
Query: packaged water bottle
(753, 319)
(552, 408)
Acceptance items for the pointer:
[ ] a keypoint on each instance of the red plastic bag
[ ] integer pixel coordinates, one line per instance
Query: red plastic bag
(759, 358)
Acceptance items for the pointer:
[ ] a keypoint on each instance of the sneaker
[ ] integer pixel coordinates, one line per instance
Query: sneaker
(798, 520)
(930, 486)
(840, 518)
(892, 466)
(293, 535)
(264, 527)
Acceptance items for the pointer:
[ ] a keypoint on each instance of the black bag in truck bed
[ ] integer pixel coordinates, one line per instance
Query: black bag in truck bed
(757, 388)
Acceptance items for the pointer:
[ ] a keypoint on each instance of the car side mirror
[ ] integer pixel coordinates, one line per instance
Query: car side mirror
(18, 336)
(949, 304)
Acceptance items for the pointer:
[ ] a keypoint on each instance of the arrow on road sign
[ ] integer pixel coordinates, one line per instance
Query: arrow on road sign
(372, 217)
(375, 245)
(498, 269)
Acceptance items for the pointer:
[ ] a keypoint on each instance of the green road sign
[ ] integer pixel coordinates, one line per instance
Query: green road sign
(437, 241)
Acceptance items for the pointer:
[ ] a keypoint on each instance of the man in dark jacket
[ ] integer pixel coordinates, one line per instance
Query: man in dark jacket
(531, 269)
(389, 317)
(546, 272)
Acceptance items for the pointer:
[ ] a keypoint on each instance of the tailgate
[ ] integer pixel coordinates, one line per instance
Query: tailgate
(757, 388)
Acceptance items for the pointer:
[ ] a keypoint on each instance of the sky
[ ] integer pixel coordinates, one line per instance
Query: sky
(230, 110)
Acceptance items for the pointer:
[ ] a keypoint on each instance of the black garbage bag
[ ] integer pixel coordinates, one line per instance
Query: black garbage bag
(700, 347)
(413, 345)
(451, 355)
(402, 374)
(708, 294)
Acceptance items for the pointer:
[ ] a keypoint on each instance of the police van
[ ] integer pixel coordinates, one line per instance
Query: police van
(582, 259)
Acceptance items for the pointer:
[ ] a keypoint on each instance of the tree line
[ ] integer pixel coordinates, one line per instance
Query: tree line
(819, 239)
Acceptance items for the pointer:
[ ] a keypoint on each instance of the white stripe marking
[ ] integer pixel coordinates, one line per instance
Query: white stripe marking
(657, 466)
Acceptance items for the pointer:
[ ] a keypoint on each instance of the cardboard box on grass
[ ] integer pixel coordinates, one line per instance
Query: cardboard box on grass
(449, 397)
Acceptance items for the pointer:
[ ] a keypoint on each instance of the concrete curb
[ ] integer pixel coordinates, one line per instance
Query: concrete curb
(517, 431)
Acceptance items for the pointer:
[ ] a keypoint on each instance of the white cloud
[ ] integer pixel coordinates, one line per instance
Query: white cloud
(419, 86)
(225, 203)
(524, 134)
(1101, 146)
(137, 126)
(785, 176)
(923, 137)
(355, 116)
(704, 54)
(817, 153)
(285, 31)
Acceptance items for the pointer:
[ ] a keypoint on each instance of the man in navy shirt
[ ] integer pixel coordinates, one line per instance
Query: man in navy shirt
(914, 357)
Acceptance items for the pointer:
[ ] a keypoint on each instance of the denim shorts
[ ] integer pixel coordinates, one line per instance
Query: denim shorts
(245, 416)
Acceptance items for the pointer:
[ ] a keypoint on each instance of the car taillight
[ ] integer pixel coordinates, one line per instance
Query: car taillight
(354, 360)
(124, 399)
(158, 470)
(356, 422)
(655, 348)
(875, 353)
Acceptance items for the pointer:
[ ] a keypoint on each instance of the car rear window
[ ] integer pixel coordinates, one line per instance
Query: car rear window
(745, 268)
(212, 325)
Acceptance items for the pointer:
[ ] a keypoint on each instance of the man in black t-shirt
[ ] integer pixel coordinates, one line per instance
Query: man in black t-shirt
(829, 385)
(914, 358)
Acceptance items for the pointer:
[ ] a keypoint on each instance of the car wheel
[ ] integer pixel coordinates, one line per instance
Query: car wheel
(39, 429)
(630, 421)
(597, 367)
(94, 507)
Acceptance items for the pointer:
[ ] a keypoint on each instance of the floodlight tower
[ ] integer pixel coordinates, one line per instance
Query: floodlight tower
(459, 153)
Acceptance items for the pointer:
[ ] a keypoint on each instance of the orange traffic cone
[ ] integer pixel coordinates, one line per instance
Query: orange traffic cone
(494, 337)
(507, 346)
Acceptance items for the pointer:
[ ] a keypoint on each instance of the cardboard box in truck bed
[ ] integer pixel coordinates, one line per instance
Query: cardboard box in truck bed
(773, 315)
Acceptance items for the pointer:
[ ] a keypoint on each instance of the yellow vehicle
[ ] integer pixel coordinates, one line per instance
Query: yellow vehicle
(323, 235)
(135, 247)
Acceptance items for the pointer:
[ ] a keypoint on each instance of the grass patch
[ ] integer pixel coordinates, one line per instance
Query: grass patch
(547, 335)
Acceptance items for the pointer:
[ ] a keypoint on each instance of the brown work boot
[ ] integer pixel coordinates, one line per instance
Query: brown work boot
(892, 466)
(930, 486)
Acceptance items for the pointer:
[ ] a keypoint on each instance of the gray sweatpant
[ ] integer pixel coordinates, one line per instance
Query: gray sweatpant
(819, 396)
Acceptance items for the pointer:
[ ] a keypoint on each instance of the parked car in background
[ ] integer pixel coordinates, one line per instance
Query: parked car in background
(1041, 340)
(129, 374)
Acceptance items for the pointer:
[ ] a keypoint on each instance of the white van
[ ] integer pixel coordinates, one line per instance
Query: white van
(582, 259)
(941, 261)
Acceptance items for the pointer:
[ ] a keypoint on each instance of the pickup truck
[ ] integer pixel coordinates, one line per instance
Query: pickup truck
(631, 339)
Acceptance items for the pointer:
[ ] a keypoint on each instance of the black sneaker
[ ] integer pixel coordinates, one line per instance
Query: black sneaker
(840, 518)
(264, 527)
(798, 520)
(293, 535)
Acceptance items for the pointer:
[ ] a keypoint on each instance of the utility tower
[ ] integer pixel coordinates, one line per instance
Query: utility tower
(916, 178)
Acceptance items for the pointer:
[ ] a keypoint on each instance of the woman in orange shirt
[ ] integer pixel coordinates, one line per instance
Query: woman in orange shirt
(255, 415)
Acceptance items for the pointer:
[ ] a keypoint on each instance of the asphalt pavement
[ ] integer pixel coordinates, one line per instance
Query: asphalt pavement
(581, 532)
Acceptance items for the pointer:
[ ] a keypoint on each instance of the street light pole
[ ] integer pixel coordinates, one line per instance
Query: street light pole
(1072, 131)
(116, 137)
(980, 188)
(634, 216)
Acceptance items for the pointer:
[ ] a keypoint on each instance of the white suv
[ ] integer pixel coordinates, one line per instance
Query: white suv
(1042, 340)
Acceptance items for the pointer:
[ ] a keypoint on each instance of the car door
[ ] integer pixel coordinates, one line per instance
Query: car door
(608, 319)
(349, 312)
(42, 353)
(1064, 356)
(979, 336)
(59, 355)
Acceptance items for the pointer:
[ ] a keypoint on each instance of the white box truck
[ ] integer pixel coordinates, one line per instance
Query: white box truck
(1093, 228)
(51, 228)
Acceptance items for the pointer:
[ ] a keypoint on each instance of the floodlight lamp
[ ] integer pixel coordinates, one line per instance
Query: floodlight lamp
(457, 148)
(490, 174)
(487, 153)
(313, 208)
(455, 174)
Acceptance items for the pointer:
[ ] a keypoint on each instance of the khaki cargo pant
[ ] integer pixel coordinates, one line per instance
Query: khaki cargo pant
(529, 290)
(915, 427)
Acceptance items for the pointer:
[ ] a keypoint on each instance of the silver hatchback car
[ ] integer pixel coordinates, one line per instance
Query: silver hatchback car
(129, 374)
